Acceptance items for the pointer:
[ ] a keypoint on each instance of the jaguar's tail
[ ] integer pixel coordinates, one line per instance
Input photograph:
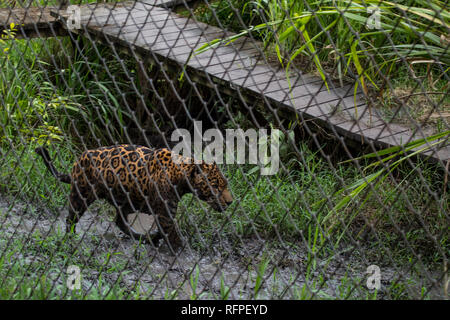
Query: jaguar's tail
(48, 163)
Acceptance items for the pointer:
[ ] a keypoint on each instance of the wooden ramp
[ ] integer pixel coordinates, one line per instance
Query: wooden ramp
(31, 22)
(240, 68)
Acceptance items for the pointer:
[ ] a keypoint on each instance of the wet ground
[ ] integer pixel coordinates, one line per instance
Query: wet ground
(287, 272)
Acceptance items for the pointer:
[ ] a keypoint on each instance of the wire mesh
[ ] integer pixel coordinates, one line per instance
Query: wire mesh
(224, 149)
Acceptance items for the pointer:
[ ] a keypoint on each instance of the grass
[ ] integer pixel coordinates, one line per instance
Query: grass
(50, 94)
(25, 176)
(289, 204)
(423, 98)
(288, 25)
(24, 276)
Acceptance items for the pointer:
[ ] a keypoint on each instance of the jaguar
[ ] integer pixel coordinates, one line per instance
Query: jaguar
(140, 179)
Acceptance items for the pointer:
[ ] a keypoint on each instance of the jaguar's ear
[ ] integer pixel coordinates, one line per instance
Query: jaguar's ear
(196, 173)
(195, 177)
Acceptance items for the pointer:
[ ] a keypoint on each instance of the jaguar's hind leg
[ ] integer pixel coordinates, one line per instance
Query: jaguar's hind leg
(79, 201)
(125, 227)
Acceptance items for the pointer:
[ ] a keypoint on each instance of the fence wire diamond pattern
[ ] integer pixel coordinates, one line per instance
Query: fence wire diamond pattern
(224, 149)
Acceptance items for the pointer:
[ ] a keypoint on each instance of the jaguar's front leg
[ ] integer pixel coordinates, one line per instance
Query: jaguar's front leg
(167, 223)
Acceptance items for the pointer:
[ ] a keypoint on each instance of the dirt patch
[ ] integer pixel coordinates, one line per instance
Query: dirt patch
(430, 109)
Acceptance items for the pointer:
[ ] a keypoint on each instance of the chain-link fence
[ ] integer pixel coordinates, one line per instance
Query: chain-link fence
(224, 149)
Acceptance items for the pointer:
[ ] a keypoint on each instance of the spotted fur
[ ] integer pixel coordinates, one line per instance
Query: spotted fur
(140, 179)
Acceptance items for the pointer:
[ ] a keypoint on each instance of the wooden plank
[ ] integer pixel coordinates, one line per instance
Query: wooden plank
(122, 17)
(218, 60)
(153, 36)
(171, 31)
(251, 78)
(362, 114)
(313, 90)
(322, 104)
(440, 153)
(275, 84)
(184, 54)
(147, 38)
(27, 18)
(157, 41)
(128, 26)
(140, 26)
(102, 13)
(183, 51)
(179, 52)
(166, 3)
(275, 79)
(31, 22)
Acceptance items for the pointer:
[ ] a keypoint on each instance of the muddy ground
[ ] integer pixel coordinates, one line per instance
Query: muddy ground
(159, 274)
